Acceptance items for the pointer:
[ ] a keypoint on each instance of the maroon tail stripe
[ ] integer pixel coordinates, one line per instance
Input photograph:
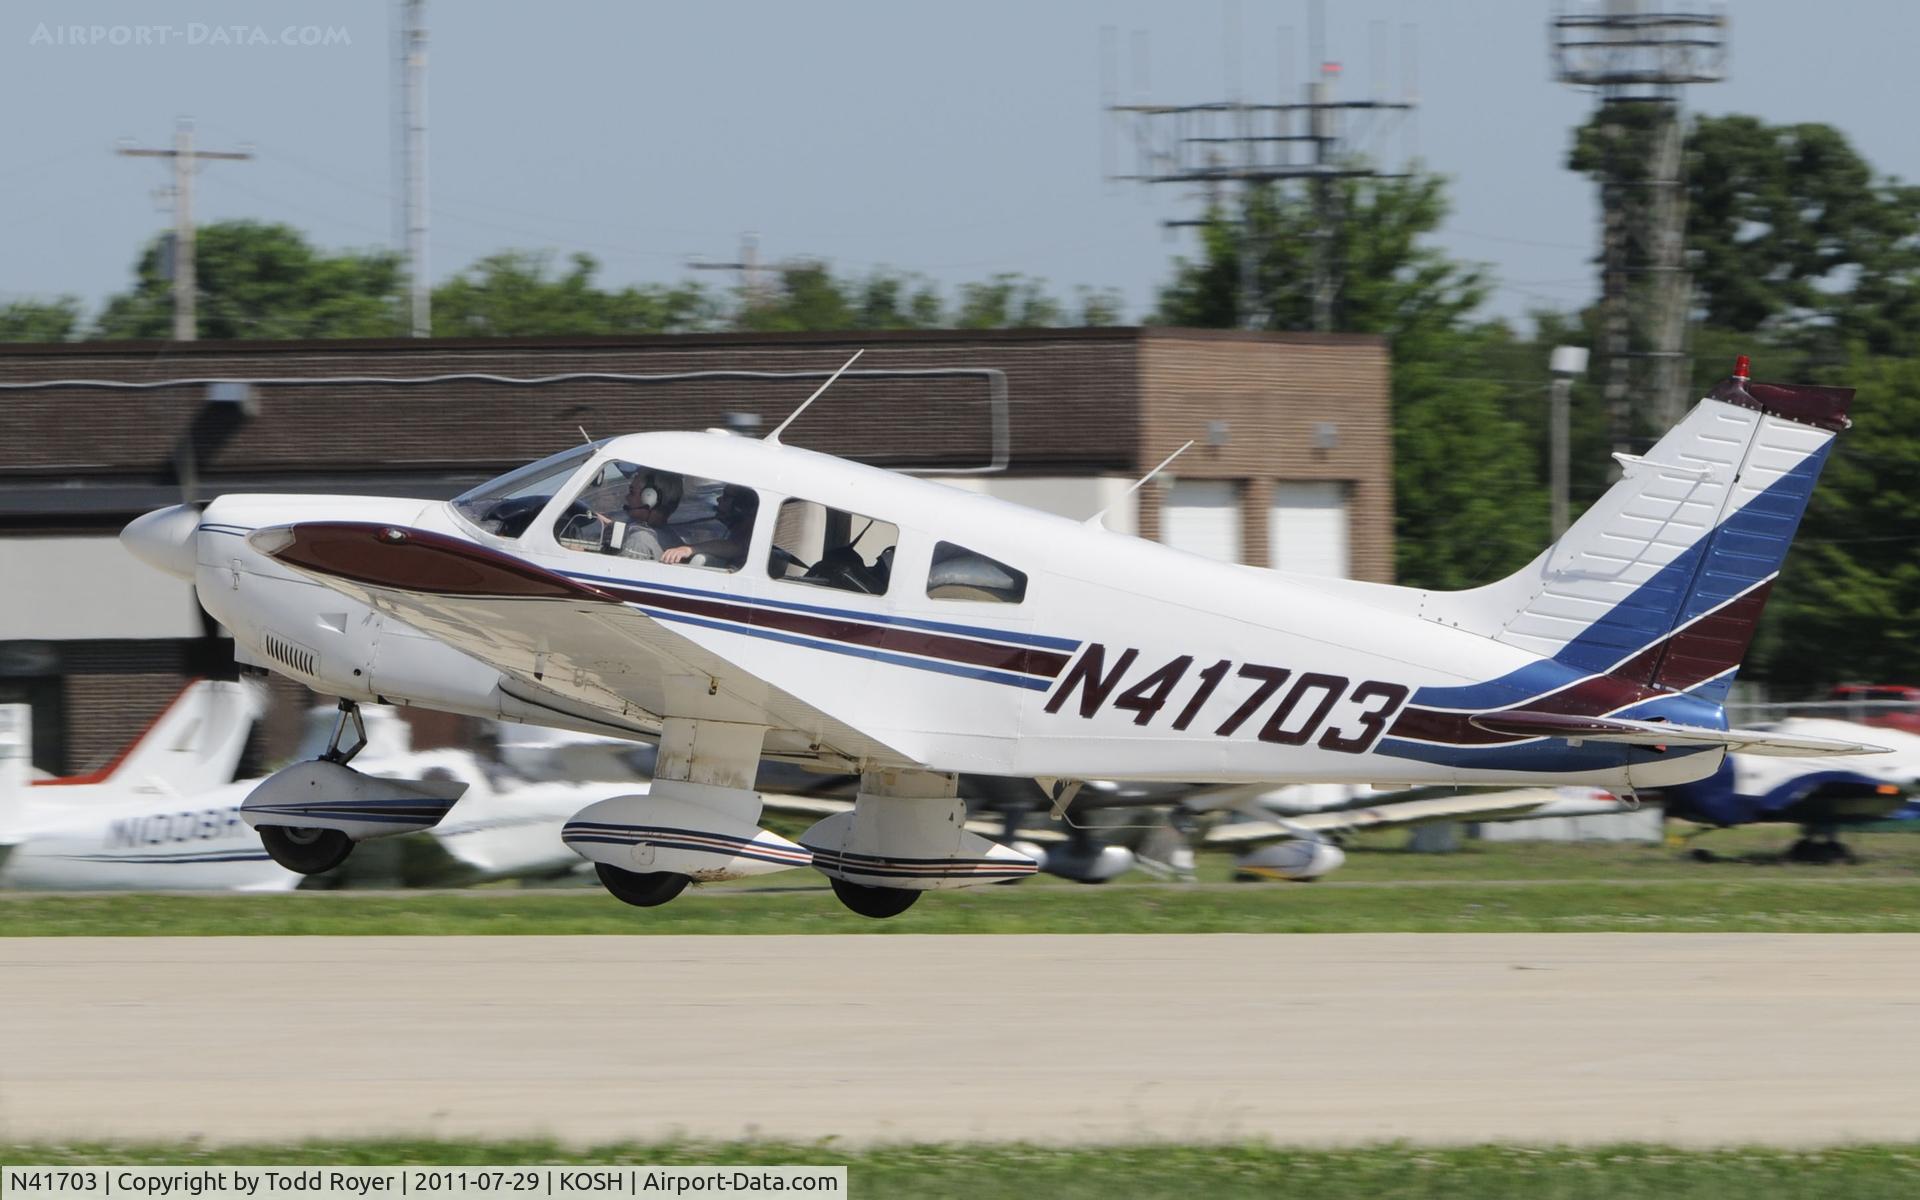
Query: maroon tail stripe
(1684, 659)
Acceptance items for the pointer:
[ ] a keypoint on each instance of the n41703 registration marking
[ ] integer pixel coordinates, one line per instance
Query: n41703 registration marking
(1307, 701)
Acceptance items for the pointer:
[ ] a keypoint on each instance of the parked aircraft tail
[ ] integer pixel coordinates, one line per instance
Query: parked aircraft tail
(1661, 583)
(194, 745)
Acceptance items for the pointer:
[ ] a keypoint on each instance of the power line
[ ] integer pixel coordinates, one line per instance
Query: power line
(1236, 142)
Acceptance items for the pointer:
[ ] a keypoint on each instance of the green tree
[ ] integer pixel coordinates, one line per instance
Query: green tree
(1845, 603)
(1008, 301)
(1468, 506)
(259, 280)
(1789, 230)
(517, 293)
(39, 320)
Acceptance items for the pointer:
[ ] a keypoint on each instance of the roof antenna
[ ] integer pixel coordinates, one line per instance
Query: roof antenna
(773, 439)
(1093, 522)
(585, 434)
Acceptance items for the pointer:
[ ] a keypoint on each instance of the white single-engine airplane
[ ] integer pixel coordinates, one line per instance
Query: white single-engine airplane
(739, 598)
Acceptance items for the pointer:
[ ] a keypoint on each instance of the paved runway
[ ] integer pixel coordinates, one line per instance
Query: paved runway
(1689, 1038)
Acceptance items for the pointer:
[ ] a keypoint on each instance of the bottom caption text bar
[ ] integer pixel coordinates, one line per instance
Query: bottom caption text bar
(626, 1182)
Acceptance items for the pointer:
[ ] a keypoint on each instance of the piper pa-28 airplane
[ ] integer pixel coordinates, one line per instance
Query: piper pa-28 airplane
(737, 598)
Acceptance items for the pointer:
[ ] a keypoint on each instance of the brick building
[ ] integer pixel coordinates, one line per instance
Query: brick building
(1291, 465)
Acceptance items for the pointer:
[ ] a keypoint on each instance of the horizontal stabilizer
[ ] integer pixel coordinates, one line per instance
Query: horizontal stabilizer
(1393, 814)
(1660, 733)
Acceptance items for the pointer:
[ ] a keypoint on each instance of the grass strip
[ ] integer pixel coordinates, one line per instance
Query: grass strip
(1491, 1172)
(1829, 905)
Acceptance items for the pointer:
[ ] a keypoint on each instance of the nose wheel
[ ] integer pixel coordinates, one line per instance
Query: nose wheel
(304, 850)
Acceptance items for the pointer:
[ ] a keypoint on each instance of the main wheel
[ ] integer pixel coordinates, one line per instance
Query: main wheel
(875, 902)
(305, 850)
(641, 889)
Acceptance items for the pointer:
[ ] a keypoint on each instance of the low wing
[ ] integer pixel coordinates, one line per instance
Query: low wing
(554, 634)
(1486, 806)
(1660, 733)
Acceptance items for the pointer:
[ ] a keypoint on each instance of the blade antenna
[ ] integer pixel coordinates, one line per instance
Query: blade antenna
(1093, 522)
(774, 437)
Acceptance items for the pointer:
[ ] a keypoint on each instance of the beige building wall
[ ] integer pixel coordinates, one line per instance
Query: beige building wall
(1294, 407)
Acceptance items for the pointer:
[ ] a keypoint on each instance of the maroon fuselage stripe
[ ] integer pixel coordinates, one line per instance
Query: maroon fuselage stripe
(420, 561)
(880, 637)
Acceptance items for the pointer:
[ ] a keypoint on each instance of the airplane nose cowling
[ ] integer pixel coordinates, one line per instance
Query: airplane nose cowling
(163, 539)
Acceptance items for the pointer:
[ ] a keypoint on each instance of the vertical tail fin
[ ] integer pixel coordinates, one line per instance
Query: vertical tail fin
(193, 746)
(1662, 581)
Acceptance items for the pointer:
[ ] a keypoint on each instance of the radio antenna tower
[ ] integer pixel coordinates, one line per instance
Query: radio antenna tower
(1317, 141)
(1638, 55)
(410, 153)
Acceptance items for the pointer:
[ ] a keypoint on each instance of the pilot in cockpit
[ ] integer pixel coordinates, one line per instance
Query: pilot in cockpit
(650, 500)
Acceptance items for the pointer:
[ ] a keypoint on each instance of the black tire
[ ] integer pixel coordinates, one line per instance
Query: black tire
(305, 850)
(641, 889)
(876, 902)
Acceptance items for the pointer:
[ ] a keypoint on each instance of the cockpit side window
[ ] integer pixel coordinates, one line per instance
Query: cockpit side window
(635, 511)
(828, 548)
(961, 574)
(507, 505)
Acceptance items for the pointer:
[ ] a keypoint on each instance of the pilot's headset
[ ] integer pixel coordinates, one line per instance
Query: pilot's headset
(660, 492)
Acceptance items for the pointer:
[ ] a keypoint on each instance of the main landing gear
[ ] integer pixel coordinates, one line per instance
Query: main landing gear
(1820, 850)
(876, 902)
(642, 889)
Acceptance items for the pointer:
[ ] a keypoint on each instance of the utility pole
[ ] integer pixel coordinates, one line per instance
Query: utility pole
(411, 67)
(1638, 56)
(1566, 363)
(1237, 141)
(748, 266)
(186, 160)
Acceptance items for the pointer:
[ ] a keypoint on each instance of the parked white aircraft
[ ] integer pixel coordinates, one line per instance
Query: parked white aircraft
(738, 599)
(152, 821)
(163, 814)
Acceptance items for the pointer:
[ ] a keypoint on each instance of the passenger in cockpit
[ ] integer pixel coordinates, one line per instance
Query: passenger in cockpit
(734, 508)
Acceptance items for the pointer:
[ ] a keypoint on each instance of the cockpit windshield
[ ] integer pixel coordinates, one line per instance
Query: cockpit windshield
(507, 505)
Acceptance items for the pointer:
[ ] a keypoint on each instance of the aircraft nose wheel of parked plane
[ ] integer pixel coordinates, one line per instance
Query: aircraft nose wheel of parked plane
(641, 889)
(304, 850)
(876, 902)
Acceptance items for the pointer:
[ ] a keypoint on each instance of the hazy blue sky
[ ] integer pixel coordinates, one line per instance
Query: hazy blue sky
(954, 139)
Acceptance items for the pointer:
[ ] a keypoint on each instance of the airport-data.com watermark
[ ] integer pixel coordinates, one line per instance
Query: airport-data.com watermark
(192, 33)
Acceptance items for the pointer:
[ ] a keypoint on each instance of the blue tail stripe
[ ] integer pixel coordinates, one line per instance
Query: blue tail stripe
(1747, 547)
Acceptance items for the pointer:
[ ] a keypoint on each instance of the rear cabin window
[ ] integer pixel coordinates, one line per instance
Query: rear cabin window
(962, 574)
(628, 510)
(828, 548)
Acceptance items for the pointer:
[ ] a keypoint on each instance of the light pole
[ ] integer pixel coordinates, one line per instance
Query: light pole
(1567, 363)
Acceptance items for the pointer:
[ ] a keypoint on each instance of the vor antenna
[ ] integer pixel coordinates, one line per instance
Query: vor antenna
(1093, 521)
(774, 437)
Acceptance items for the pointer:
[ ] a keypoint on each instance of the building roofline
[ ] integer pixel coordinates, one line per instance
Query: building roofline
(850, 338)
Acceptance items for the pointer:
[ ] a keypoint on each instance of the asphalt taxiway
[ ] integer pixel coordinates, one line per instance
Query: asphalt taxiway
(1319, 1039)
